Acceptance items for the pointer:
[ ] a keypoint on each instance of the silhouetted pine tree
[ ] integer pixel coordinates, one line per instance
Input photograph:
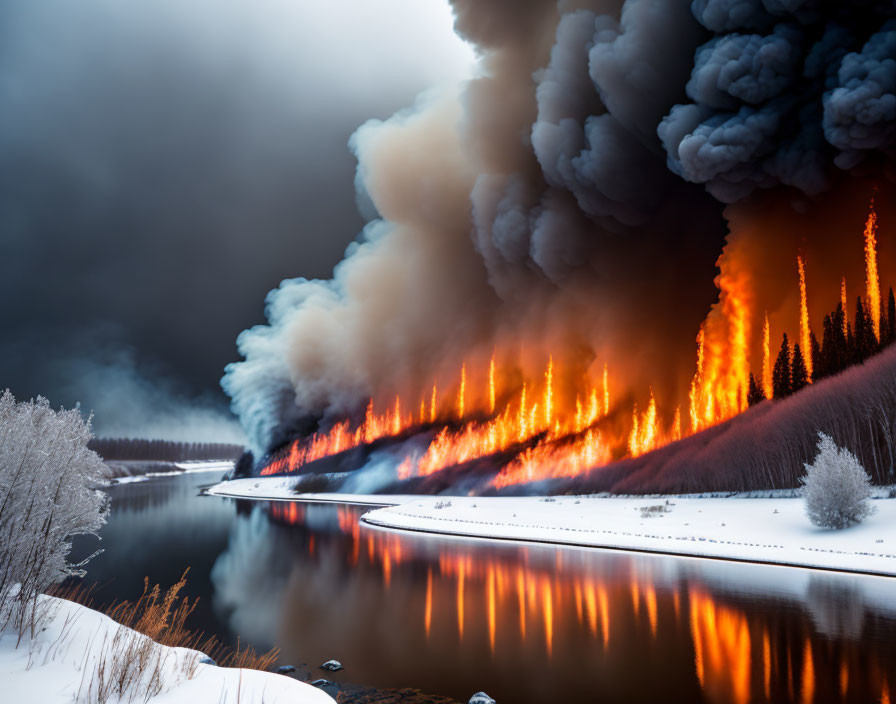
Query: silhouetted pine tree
(891, 319)
(799, 375)
(781, 380)
(815, 351)
(754, 393)
(865, 344)
(825, 365)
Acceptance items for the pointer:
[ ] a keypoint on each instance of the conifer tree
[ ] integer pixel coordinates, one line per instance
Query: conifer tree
(754, 393)
(891, 318)
(781, 380)
(815, 352)
(799, 375)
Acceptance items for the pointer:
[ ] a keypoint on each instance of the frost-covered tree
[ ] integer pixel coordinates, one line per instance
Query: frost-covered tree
(836, 487)
(49, 492)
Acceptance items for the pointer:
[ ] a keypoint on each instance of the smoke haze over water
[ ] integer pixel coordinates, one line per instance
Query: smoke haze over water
(568, 199)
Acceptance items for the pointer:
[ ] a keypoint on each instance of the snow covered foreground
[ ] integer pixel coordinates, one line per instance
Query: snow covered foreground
(773, 530)
(60, 664)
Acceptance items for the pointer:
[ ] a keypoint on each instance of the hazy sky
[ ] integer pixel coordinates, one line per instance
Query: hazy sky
(165, 163)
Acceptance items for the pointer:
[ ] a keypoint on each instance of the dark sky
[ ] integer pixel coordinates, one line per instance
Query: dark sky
(164, 164)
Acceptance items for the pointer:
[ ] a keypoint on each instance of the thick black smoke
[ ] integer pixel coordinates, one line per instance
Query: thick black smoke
(568, 198)
(786, 94)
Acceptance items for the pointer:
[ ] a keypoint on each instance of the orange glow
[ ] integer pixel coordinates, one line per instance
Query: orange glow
(548, 609)
(721, 650)
(460, 600)
(808, 686)
(872, 283)
(491, 608)
(805, 341)
(427, 607)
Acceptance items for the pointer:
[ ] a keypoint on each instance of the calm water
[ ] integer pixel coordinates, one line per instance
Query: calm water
(524, 623)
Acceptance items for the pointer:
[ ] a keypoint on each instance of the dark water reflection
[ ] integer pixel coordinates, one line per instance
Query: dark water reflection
(524, 623)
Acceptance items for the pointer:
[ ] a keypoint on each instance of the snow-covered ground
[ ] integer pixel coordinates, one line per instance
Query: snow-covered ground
(774, 530)
(280, 489)
(61, 664)
(758, 530)
(180, 468)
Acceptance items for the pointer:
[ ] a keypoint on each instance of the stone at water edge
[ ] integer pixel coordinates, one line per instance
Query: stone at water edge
(481, 698)
(330, 688)
(206, 660)
(332, 666)
(285, 669)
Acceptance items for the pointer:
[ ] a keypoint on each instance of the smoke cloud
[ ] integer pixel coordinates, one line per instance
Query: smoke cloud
(568, 198)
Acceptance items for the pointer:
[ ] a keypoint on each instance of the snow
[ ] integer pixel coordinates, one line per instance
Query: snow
(774, 530)
(57, 665)
(182, 468)
(280, 489)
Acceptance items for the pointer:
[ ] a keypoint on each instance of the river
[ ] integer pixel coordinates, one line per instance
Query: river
(524, 623)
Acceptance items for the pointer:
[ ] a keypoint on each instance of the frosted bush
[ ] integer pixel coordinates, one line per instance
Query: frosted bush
(836, 487)
(49, 492)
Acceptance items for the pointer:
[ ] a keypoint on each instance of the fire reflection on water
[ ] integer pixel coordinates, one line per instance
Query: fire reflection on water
(570, 607)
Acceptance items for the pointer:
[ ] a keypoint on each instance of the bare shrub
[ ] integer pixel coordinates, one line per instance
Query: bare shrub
(49, 492)
(163, 617)
(836, 487)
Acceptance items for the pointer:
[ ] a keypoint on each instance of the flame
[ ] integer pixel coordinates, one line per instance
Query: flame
(872, 283)
(805, 340)
(766, 359)
(843, 304)
(462, 391)
(491, 385)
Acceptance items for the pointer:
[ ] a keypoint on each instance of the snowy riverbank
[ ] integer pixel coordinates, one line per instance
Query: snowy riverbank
(773, 530)
(72, 659)
(750, 529)
(130, 472)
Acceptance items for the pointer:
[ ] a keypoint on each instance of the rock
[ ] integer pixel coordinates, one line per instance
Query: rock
(206, 660)
(330, 688)
(481, 698)
(285, 669)
(331, 666)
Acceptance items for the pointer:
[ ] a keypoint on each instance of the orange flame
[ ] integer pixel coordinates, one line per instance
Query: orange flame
(805, 340)
(766, 359)
(872, 283)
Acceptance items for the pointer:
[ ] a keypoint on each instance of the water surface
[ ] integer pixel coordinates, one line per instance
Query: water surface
(525, 623)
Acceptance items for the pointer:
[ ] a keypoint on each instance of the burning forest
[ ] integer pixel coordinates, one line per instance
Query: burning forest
(600, 245)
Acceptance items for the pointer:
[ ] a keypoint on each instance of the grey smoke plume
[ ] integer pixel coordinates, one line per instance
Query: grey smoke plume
(552, 203)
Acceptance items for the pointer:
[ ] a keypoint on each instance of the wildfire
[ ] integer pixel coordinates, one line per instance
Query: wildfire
(536, 428)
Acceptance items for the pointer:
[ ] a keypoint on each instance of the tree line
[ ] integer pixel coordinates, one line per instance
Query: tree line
(164, 450)
(843, 344)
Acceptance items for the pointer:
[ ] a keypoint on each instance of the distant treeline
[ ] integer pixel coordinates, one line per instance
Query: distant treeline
(164, 450)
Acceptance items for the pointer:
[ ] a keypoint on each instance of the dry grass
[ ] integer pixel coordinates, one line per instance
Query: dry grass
(163, 617)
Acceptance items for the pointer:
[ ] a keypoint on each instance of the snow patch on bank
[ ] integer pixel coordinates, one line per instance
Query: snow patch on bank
(58, 664)
(751, 529)
(182, 468)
